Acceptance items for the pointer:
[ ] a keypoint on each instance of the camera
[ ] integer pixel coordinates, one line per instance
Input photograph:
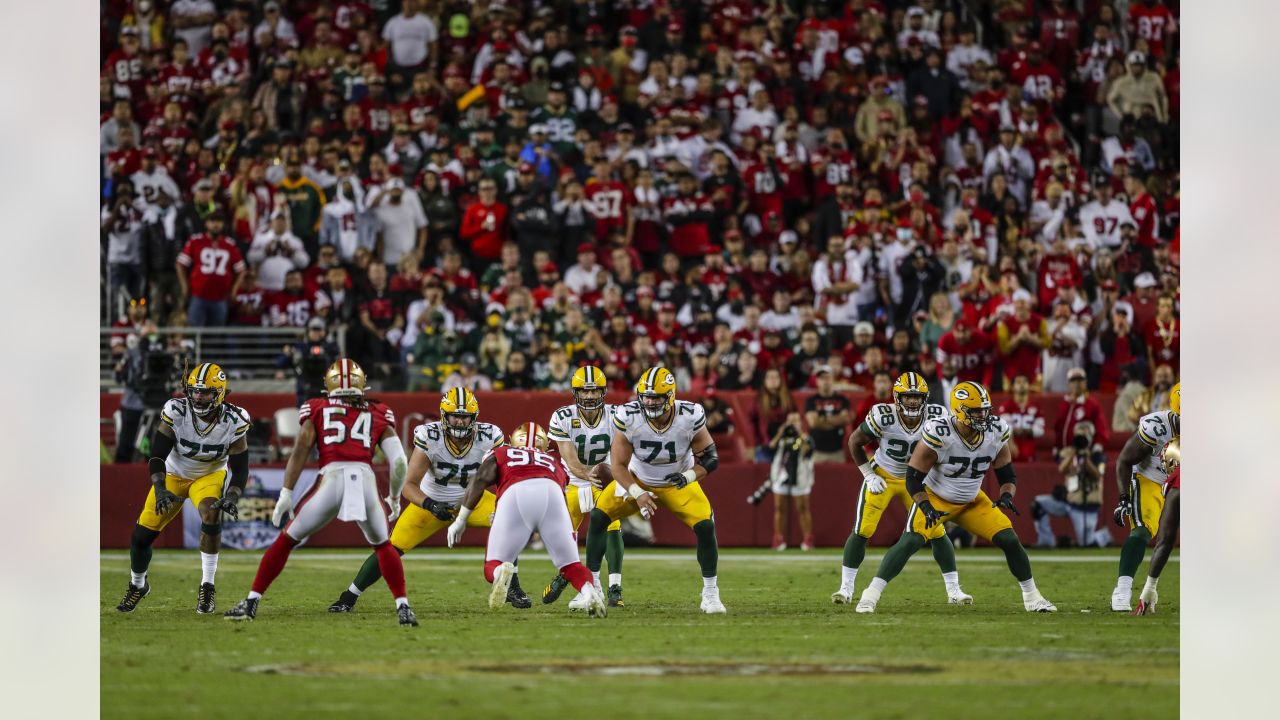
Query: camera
(1080, 441)
(157, 371)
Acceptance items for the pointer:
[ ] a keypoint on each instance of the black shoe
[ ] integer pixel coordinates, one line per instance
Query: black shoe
(615, 596)
(346, 602)
(406, 616)
(551, 592)
(133, 596)
(246, 609)
(516, 595)
(206, 599)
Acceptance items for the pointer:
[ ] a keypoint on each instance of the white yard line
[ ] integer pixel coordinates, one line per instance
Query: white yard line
(632, 555)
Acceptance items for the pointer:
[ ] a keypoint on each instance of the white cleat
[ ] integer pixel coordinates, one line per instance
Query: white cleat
(711, 604)
(1120, 601)
(596, 605)
(959, 597)
(501, 583)
(1035, 602)
(582, 601)
(843, 596)
(867, 603)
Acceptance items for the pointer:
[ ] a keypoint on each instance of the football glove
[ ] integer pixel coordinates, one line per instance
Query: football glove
(228, 505)
(393, 505)
(456, 528)
(932, 516)
(875, 484)
(442, 511)
(677, 480)
(1124, 510)
(165, 500)
(1006, 501)
(284, 505)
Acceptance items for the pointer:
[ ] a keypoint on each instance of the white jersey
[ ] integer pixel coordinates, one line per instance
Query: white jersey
(450, 472)
(896, 441)
(199, 450)
(1156, 430)
(593, 442)
(658, 453)
(961, 467)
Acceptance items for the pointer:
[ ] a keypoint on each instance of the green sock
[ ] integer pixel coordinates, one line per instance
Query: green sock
(1135, 548)
(613, 551)
(708, 550)
(1019, 563)
(596, 540)
(944, 553)
(855, 549)
(898, 555)
(369, 573)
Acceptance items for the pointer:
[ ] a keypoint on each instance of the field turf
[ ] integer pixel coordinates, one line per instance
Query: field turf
(783, 651)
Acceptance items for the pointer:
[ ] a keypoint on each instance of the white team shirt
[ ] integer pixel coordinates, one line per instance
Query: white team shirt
(658, 453)
(149, 185)
(1156, 430)
(593, 443)
(1101, 223)
(199, 450)
(447, 479)
(961, 467)
(896, 441)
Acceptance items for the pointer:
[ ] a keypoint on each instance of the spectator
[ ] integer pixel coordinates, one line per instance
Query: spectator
(1067, 340)
(688, 215)
(881, 111)
(468, 375)
(1152, 399)
(382, 324)
(484, 225)
(836, 277)
(1078, 406)
(972, 352)
(122, 227)
(557, 374)
(210, 270)
(193, 20)
(583, 278)
(517, 375)
(281, 99)
(791, 474)
(275, 252)
(1024, 420)
(412, 43)
(151, 179)
(310, 358)
(718, 412)
(1022, 337)
(402, 224)
(306, 202)
(344, 224)
(1010, 160)
(922, 277)
(291, 306)
(827, 414)
(1122, 350)
(1138, 91)
(808, 357)
(1162, 335)
(881, 392)
(1083, 466)
(773, 405)
(939, 320)
(938, 85)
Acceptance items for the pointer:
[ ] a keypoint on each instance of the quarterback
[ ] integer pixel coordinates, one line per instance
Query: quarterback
(944, 478)
(661, 451)
(199, 437)
(897, 426)
(1141, 476)
(583, 433)
(1170, 519)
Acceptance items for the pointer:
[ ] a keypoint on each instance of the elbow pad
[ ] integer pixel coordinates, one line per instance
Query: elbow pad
(239, 464)
(1005, 475)
(915, 481)
(708, 458)
(396, 461)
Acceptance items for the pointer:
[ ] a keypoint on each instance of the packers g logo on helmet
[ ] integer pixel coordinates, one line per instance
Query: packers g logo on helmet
(206, 388)
(588, 386)
(910, 386)
(345, 378)
(971, 405)
(1175, 399)
(459, 403)
(656, 392)
(530, 435)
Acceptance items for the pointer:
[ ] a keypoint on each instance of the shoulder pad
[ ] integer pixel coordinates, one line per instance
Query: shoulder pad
(934, 430)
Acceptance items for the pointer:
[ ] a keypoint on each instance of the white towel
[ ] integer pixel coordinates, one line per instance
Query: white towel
(586, 500)
(352, 508)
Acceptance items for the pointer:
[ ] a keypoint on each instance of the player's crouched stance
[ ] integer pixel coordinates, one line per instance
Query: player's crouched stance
(530, 498)
(970, 441)
(346, 487)
(1170, 519)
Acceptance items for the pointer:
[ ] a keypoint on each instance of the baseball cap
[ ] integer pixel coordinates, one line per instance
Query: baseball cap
(537, 129)
(469, 360)
(864, 328)
(915, 10)
(205, 185)
(788, 237)
(644, 291)
(1137, 58)
(129, 30)
(1076, 374)
(549, 267)
(625, 127)
(1021, 294)
(586, 248)
(823, 370)
(315, 323)
(1144, 280)
(524, 168)
(459, 26)
(556, 86)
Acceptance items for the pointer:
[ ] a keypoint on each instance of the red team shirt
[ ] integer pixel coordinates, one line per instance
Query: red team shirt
(609, 201)
(347, 431)
(516, 464)
(213, 265)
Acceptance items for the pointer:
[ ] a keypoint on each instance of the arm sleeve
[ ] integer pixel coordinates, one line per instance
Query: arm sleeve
(397, 463)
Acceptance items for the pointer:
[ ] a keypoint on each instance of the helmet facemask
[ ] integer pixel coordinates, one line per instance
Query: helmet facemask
(911, 404)
(460, 431)
(589, 398)
(980, 418)
(654, 405)
(204, 401)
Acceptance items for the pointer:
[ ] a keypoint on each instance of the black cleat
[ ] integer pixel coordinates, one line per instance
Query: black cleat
(246, 609)
(206, 599)
(516, 595)
(406, 616)
(551, 592)
(345, 603)
(615, 596)
(133, 596)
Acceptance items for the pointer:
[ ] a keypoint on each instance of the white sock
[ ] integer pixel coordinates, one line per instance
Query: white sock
(615, 579)
(355, 590)
(847, 577)
(709, 583)
(952, 581)
(401, 602)
(208, 566)
(1151, 583)
(595, 579)
(1028, 586)
(1124, 584)
(254, 594)
(138, 579)
(878, 585)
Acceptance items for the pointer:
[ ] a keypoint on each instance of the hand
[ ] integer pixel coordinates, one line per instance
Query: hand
(600, 475)
(676, 479)
(932, 516)
(456, 529)
(874, 483)
(227, 505)
(1123, 511)
(442, 511)
(647, 505)
(165, 500)
(1006, 501)
(284, 504)
(393, 505)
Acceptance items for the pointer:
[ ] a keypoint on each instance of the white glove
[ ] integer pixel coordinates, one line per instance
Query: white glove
(393, 503)
(455, 531)
(874, 482)
(284, 504)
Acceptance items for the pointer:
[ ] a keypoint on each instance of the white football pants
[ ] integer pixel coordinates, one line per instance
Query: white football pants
(347, 491)
(530, 506)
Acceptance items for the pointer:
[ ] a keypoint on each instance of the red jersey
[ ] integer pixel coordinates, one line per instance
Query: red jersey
(764, 188)
(1020, 418)
(1174, 481)
(608, 201)
(516, 464)
(973, 359)
(213, 265)
(1164, 341)
(180, 84)
(284, 309)
(687, 219)
(347, 430)
(248, 306)
(1024, 359)
(1143, 209)
(830, 168)
(1041, 82)
(1151, 22)
(127, 71)
(1074, 410)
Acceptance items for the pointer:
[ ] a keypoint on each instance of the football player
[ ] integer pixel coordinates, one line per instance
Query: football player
(348, 429)
(1171, 458)
(583, 433)
(1140, 476)
(446, 455)
(661, 451)
(530, 498)
(944, 478)
(199, 438)
(897, 426)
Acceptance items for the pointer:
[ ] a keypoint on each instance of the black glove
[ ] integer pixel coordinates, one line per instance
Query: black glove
(165, 500)
(1124, 510)
(1006, 501)
(932, 516)
(442, 511)
(678, 480)
(227, 505)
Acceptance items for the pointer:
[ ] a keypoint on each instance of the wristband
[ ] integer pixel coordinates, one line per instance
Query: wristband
(464, 512)
(690, 475)
(636, 491)
(866, 469)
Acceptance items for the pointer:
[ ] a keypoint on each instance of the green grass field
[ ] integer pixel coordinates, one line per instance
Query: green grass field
(782, 650)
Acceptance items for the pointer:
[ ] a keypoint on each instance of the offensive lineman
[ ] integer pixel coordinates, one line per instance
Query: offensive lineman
(349, 429)
(199, 437)
(530, 498)
(1170, 519)
(944, 477)
(661, 451)
(583, 433)
(1141, 476)
(898, 428)
(446, 455)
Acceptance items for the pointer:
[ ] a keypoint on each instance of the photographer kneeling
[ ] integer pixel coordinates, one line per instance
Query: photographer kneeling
(791, 478)
(1082, 465)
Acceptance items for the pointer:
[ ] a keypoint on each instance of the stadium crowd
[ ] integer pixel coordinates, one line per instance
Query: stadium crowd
(494, 193)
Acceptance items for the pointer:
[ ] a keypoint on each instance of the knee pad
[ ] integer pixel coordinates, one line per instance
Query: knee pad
(143, 537)
(1005, 539)
(1141, 532)
(210, 528)
(705, 530)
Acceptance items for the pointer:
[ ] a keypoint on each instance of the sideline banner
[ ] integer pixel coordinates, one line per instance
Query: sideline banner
(253, 530)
